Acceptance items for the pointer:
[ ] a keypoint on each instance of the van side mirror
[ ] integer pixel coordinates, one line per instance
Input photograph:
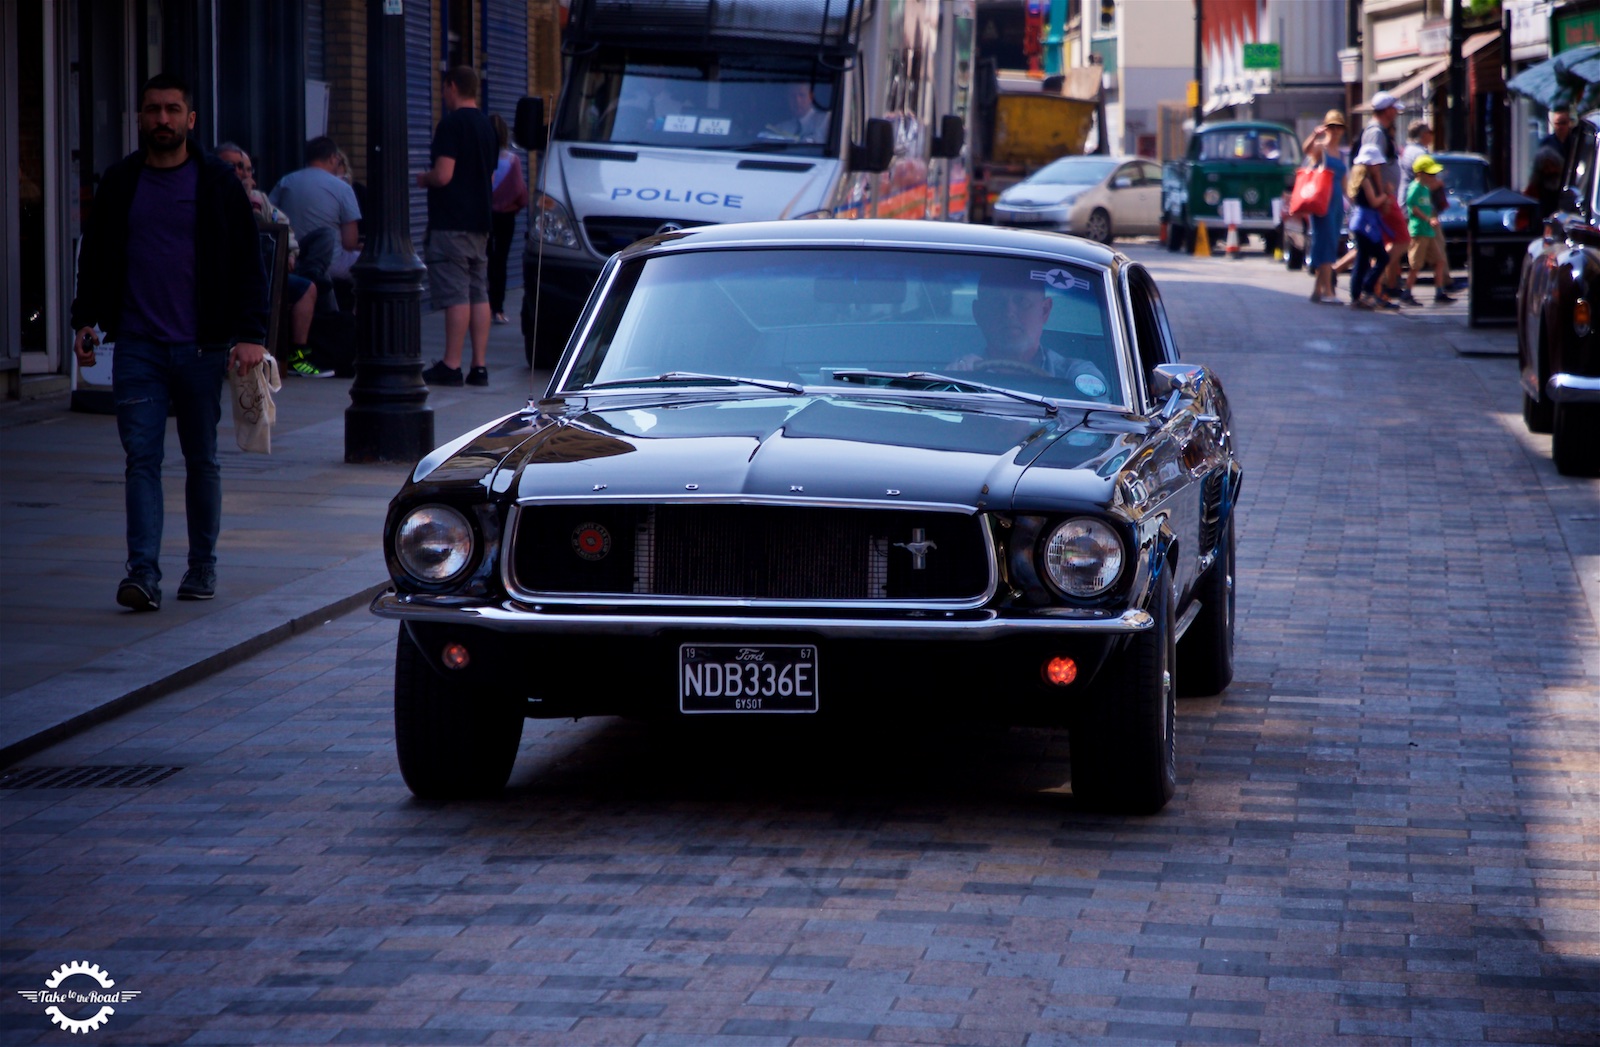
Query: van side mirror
(876, 151)
(529, 131)
(951, 137)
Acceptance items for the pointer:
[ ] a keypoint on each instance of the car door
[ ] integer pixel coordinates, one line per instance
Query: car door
(1124, 192)
(1148, 197)
(1183, 445)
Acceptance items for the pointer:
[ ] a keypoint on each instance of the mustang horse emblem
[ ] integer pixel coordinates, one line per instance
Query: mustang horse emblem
(919, 547)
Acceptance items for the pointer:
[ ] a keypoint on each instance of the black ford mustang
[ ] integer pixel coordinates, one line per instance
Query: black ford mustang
(823, 469)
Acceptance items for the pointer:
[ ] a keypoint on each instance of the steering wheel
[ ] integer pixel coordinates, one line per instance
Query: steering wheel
(1001, 366)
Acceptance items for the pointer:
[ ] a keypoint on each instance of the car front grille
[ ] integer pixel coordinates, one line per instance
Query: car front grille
(774, 553)
(608, 235)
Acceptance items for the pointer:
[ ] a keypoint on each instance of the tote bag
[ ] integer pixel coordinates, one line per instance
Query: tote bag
(1313, 191)
(253, 410)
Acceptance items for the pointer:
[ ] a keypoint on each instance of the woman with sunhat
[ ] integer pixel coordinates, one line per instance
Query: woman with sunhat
(1327, 235)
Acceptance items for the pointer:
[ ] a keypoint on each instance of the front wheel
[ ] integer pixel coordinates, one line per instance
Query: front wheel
(1538, 415)
(1575, 439)
(1207, 647)
(1098, 227)
(453, 742)
(1124, 747)
(1177, 233)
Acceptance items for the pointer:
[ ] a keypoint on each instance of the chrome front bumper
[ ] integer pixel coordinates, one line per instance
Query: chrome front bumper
(513, 617)
(1573, 389)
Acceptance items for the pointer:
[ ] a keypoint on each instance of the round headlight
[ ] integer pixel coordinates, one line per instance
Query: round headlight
(433, 543)
(1212, 197)
(1083, 557)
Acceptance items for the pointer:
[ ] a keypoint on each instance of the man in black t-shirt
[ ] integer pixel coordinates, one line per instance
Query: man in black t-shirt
(460, 216)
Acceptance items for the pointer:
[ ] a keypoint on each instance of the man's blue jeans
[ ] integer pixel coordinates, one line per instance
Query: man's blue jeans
(145, 377)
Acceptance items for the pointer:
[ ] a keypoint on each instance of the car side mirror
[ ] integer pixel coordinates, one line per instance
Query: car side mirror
(1171, 383)
(529, 131)
(876, 150)
(951, 137)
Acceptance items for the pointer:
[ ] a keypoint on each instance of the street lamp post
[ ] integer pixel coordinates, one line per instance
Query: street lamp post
(388, 419)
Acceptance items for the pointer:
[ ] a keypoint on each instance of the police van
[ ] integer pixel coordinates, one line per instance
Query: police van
(681, 113)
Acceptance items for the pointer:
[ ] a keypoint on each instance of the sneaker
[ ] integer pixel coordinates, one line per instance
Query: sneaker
(1384, 303)
(300, 364)
(199, 583)
(139, 594)
(1408, 298)
(1440, 298)
(478, 376)
(439, 374)
(1330, 299)
(1364, 302)
(501, 318)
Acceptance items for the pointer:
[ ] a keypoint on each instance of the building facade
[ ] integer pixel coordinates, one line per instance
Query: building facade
(268, 74)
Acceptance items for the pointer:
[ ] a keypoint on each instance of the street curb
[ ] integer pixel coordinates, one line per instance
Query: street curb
(101, 696)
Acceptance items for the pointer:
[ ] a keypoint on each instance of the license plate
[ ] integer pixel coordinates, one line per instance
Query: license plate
(745, 678)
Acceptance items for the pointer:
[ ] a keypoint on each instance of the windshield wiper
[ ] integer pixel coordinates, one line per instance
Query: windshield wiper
(696, 376)
(965, 383)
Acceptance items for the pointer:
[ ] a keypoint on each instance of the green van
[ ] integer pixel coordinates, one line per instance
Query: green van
(1249, 161)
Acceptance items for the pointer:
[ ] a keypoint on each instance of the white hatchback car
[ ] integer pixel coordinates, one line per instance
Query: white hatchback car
(1098, 197)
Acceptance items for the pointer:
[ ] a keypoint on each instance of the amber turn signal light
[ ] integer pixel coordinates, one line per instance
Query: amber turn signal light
(455, 656)
(1060, 671)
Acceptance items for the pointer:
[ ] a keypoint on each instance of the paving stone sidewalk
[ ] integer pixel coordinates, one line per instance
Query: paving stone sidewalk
(301, 536)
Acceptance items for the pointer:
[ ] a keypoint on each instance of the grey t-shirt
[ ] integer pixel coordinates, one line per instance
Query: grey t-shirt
(315, 199)
(1407, 158)
(1374, 134)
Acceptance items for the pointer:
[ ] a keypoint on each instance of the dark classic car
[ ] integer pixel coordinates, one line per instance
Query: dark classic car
(827, 469)
(1557, 347)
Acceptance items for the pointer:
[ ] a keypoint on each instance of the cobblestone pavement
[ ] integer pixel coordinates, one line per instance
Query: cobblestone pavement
(1386, 832)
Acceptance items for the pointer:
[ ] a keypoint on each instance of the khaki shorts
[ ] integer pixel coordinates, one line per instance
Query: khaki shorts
(458, 267)
(1423, 252)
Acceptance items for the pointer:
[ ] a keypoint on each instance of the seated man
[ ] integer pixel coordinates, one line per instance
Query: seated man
(1011, 310)
(805, 123)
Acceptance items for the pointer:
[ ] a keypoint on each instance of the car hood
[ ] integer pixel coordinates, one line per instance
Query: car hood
(810, 446)
(1042, 195)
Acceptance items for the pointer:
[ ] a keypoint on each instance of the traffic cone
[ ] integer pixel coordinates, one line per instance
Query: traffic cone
(1202, 241)
(1231, 248)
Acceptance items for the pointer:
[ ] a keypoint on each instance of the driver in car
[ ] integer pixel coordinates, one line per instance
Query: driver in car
(1011, 310)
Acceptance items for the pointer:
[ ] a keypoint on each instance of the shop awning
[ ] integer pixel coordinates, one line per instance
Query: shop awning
(1413, 84)
(1570, 78)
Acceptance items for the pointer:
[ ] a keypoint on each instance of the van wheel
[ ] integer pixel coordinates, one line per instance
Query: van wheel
(1176, 234)
(453, 742)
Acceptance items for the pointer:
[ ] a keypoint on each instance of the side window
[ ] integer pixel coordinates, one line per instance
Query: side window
(1127, 176)
(1150, 327)
(1152, 173)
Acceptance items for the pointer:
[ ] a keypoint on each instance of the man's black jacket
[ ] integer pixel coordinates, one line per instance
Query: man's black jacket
(230, 284)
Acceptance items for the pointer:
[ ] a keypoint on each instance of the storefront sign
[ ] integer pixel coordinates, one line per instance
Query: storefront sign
(1263, 56)
(1396, 37)
(1434, 39)
(1575, 29)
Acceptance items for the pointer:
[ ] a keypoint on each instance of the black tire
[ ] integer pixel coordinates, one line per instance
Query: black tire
(1206, 650)
(1124, 747)
(1575, 439)
(1269, 241)
(1295, 258)
(453, 742)
(1102, 218)
(1176, 233)
(1538, 415)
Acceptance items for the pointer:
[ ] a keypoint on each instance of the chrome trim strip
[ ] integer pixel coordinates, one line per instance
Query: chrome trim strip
(508, 551)
(511, 617)
(1189, 615)
(1573, 389)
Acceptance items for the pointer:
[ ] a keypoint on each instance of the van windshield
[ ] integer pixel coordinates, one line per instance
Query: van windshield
(754, 103)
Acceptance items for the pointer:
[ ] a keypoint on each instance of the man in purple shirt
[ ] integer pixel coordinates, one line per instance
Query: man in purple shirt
(170, 270)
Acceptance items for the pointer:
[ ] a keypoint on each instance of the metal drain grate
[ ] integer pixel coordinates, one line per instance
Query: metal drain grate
(125, 777)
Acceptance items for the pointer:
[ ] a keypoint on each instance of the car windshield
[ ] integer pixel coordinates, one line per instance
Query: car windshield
(729, 102)
(853, 319)
(1249, 143)
(1075, 170)
(1467, 179)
